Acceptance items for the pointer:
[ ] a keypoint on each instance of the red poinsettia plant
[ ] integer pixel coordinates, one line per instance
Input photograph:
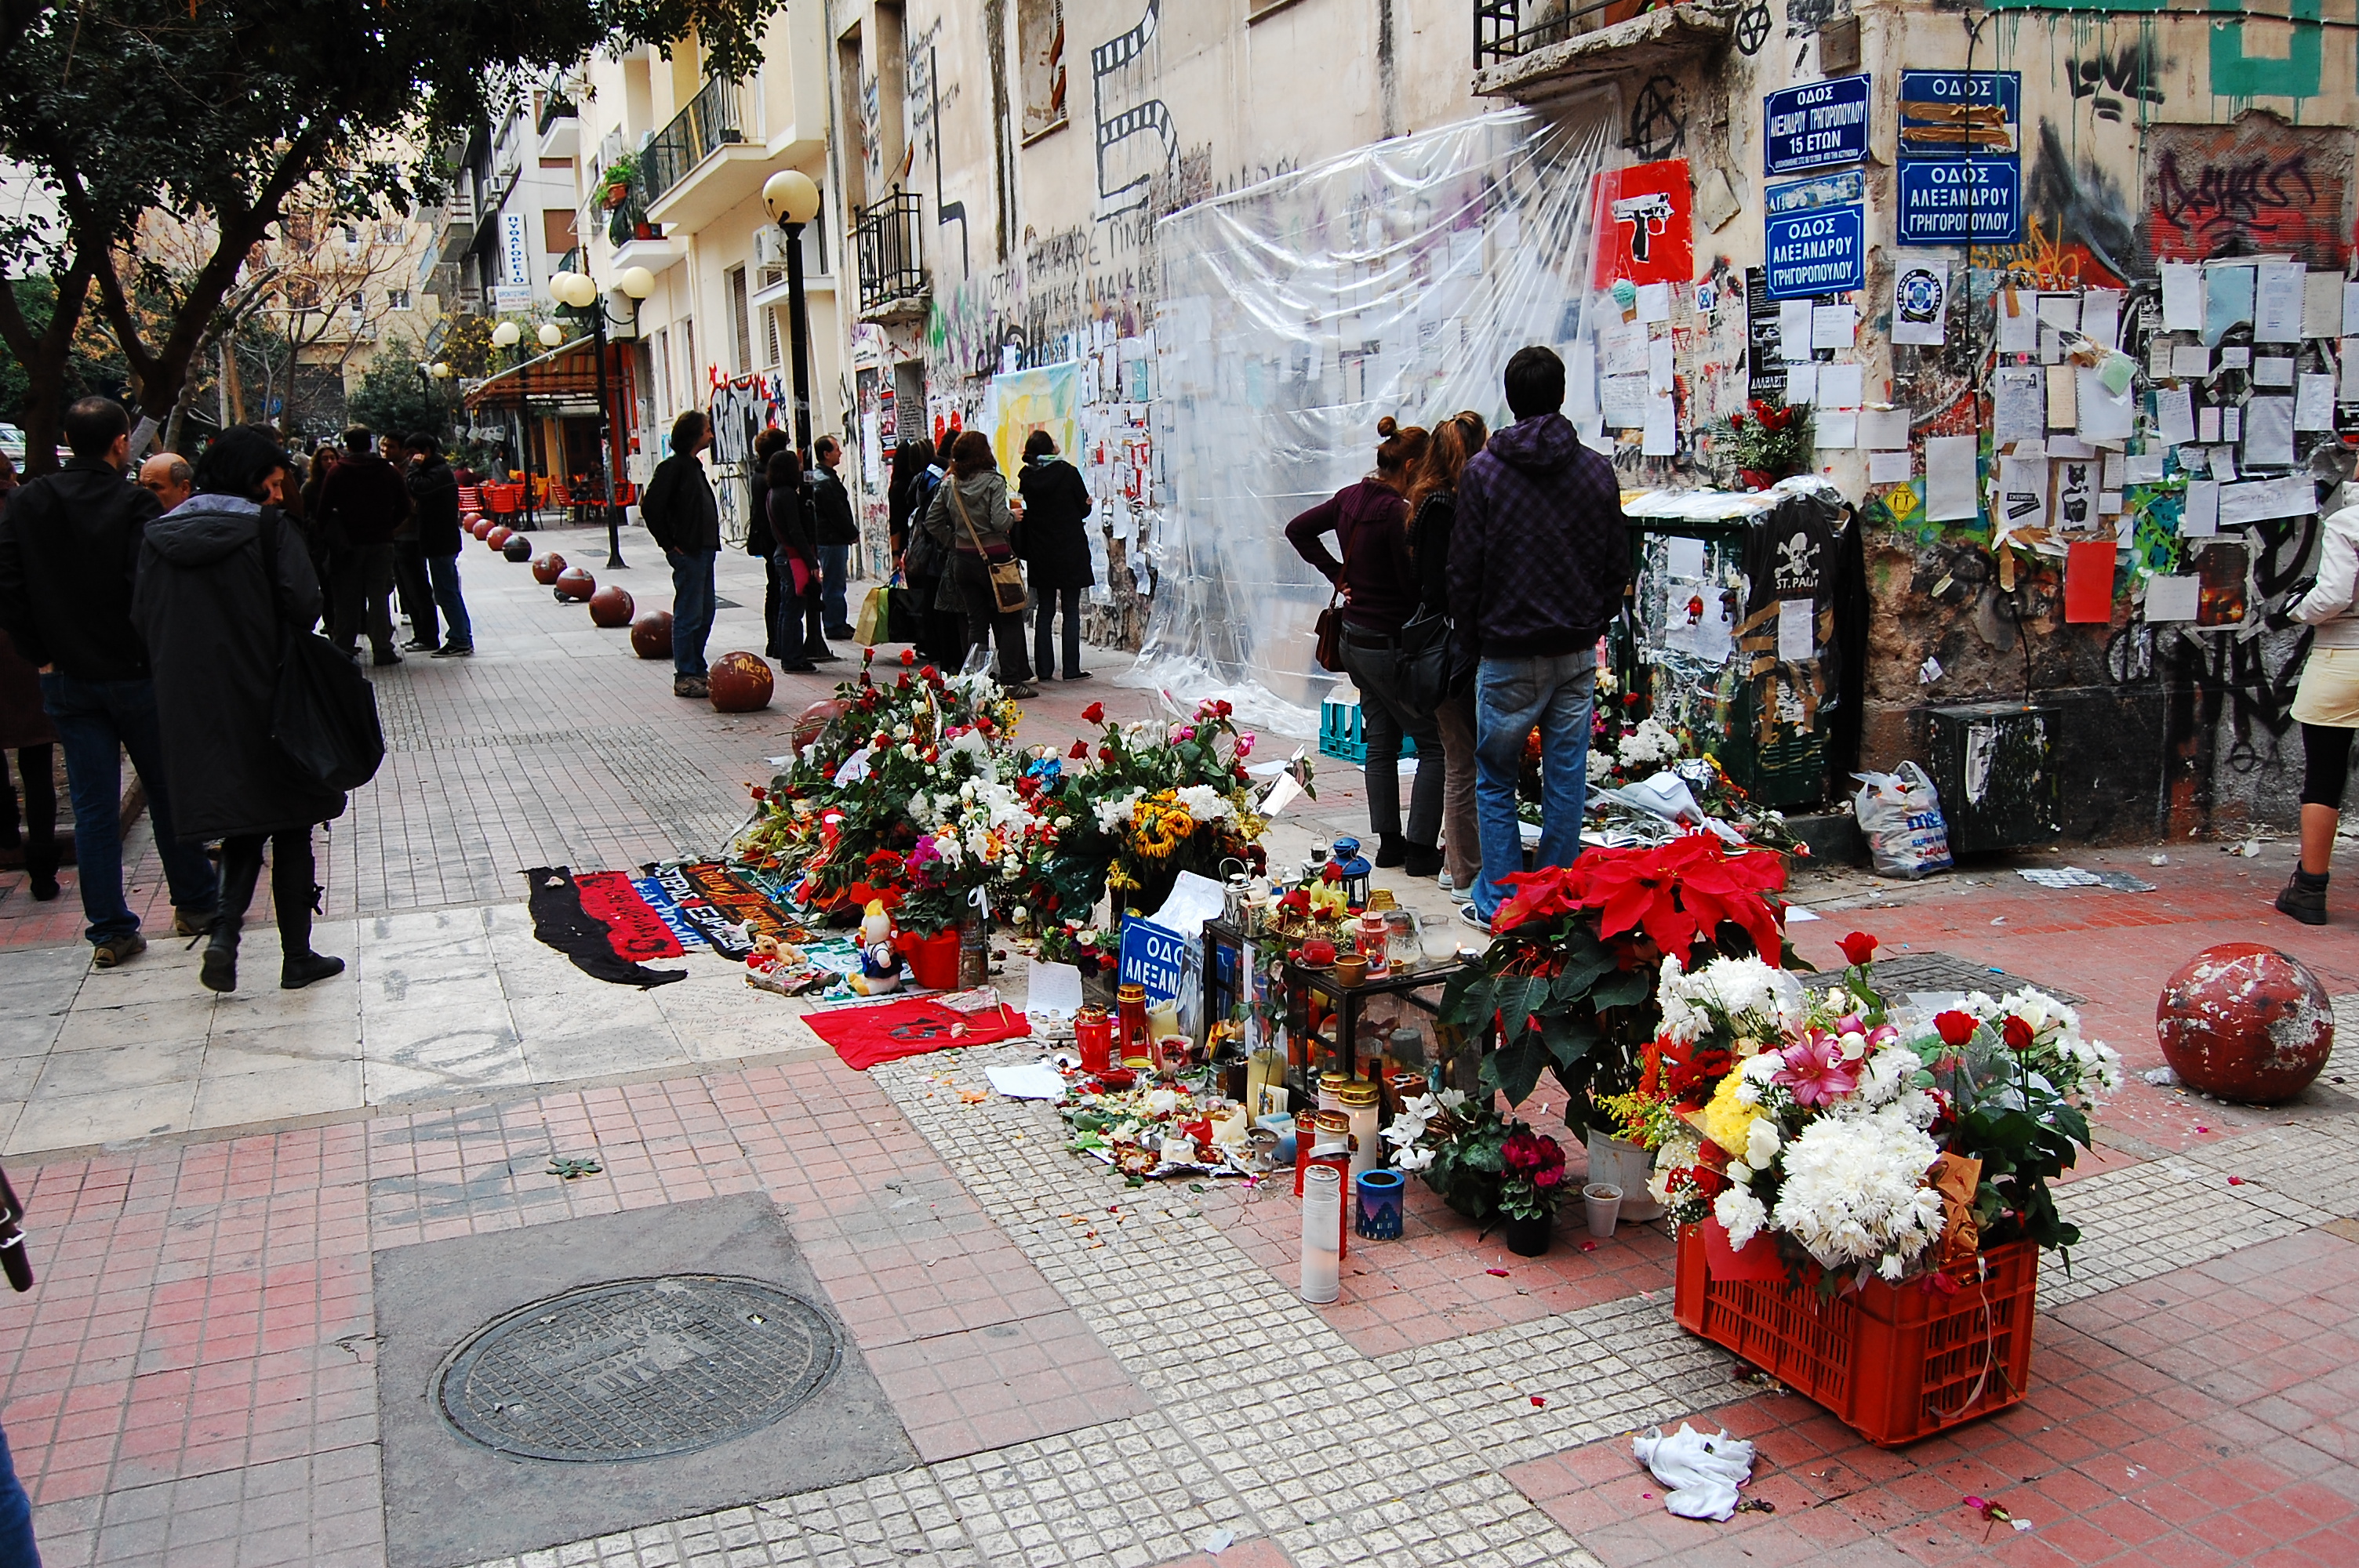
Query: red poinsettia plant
(1770, 441)
(1569, 982)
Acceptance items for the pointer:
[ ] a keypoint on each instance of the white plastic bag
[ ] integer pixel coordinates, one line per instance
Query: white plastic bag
(1700, 1473)
(1900, 813)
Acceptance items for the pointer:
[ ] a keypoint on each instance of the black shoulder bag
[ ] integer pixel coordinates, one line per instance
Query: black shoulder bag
(323, 716)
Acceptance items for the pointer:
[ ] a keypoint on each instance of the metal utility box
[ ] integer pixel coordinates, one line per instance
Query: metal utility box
(1994, 764)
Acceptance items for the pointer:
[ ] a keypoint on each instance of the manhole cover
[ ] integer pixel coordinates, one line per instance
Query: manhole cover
(637, 1369)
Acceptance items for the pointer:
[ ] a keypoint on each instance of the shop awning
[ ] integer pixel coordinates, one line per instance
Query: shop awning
(567, 373)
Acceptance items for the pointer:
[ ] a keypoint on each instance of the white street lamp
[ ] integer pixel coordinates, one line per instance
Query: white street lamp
(550, 334)
(792, 199)
(506, 334)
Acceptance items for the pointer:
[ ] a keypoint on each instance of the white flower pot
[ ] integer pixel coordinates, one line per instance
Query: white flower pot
(1627, 1166)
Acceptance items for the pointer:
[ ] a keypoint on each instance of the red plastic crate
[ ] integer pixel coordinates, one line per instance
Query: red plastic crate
(1894, 1362)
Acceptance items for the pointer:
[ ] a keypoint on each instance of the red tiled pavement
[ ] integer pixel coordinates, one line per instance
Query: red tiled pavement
(1244, 1554)
(2203, 1417)
(200, 1341)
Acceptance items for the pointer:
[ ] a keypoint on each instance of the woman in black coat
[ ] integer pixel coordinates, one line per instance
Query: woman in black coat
(1055, 547)
(222, 578)
(794, 564)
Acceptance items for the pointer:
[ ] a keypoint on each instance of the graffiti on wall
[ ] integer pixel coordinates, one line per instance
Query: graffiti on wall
(2128, 80)
(2254, 187)
(2297, 73)
(1134, 135)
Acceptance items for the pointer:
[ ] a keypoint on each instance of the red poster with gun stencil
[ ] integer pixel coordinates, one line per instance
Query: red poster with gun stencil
(1645, 230)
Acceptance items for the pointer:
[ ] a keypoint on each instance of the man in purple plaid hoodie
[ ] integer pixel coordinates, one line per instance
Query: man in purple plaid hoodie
(1538, 561)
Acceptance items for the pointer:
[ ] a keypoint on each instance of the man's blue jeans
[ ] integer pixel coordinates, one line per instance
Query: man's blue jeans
(692, 608)
(834, 576)
(1511, 695)
(443, 571)
(16, 1547)
(93, 719)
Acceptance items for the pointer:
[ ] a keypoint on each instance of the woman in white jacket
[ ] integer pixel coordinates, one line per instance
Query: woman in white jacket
(2326, 706)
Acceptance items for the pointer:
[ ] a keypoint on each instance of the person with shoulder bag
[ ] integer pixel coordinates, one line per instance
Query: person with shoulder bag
(970, 519)
(1433, 507)
(794, 557)
(1377, 583)
(2326, 706)
(224, 580)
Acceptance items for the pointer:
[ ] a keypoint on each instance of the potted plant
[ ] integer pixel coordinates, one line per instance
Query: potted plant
(1568, 984)
(1529, 1189)
(1770, 443)
(619, 175)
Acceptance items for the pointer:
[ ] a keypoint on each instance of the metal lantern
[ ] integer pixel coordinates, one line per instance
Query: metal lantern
(1353, 868)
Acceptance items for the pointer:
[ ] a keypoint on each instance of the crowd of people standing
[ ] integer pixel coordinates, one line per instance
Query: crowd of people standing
(1477, 572)
(150, 617)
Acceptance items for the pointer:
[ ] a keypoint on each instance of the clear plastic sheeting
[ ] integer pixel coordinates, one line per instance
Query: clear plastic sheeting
(1395, 279)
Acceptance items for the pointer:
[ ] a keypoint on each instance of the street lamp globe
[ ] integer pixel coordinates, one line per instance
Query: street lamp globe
(791, 197)
(550, 334)
(636, 281)
(506, 334)
(572, 288)
(440, 369)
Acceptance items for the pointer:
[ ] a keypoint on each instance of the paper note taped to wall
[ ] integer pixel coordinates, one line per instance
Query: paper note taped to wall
(1796, 618)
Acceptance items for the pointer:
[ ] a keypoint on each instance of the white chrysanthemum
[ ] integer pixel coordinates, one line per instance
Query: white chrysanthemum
(1114, 812)
(1740, 1214)
(1650, 742)
(1855, 1189)
(1203, 803)
(1739, 998)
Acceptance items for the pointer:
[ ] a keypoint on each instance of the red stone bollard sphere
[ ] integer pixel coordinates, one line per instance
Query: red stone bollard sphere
(610, 606)
(651, 634)
(517, 548)
(481, 527)
(498, 537)
(547, 568)
(2243, 1021)
(470, 519)
(576, 584)
(739, 682)
(814, 720)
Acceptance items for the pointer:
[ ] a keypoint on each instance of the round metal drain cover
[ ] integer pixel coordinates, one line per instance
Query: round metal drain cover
(637, 1369)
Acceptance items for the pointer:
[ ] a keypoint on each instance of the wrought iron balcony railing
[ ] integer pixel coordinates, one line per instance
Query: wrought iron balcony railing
(890, 240)
(711, 120)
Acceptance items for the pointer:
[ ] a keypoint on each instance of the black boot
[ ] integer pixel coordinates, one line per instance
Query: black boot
(1391, 849)
(241, 868)
(2304, 898)
(1421, 861)
(298, 898)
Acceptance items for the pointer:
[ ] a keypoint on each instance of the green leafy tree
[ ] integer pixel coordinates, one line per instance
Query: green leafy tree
(229, 111)
(392, 398)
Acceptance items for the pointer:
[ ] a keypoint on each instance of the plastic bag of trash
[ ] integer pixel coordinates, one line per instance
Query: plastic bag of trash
(1900, 813)
(1700, 1471)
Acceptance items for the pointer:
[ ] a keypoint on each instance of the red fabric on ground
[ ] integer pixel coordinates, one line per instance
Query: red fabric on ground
(632, 927)
(888, 1031)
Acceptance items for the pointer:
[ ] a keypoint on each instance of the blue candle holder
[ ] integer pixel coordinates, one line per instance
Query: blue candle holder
(1380, 1193)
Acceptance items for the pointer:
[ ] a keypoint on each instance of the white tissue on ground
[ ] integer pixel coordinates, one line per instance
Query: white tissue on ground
(1700, 1471)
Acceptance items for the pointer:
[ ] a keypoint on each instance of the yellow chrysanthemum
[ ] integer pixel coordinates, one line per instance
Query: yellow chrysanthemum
(1727, 1121)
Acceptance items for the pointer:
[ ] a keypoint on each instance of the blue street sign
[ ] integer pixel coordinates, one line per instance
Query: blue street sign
(1960, 111)
(1812, 249)
(1814, 126)
(1156, 960)
(1960, 200)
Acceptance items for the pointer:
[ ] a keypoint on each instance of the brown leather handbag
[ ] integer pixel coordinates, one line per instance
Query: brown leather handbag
(1007, 576)
(1331, 632)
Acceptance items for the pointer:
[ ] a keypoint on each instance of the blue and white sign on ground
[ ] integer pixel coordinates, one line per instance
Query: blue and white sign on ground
(1960, 200)
(1816, 233)
(1817, 126)
(1159, 961)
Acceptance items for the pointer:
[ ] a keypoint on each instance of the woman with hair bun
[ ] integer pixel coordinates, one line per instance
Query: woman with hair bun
(1378, 579)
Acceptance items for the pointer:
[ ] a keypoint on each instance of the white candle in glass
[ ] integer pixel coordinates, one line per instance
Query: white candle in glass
(1322, 1219)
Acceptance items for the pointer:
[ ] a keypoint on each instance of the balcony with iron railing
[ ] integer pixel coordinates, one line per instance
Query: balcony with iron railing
(890, 240)
(707, 160)
(1539, 48)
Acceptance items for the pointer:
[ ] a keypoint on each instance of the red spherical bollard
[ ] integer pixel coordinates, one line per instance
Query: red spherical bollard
(547, 568)
(610, 606)
(651, 634)
(481, 528)
(813, 721)
(517, 548)
(575, 584)
(470, 519)
(498, 537)
(2243, 1021)
(739, 682)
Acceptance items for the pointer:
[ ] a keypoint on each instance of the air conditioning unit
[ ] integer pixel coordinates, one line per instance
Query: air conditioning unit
(770, 247)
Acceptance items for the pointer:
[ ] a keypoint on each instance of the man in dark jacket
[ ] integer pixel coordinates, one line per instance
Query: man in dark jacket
(434, 495)
(1537, 563)
(69, 553)
(363, 503)
(681, 512)
(838, 532)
